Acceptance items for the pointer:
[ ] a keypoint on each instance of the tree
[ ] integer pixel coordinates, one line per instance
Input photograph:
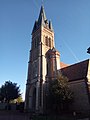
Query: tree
(9, 91)
(17, 100)
(88, 50)
(60, 94)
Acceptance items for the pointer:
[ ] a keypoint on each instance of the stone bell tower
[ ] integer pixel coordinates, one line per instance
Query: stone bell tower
(42, 42)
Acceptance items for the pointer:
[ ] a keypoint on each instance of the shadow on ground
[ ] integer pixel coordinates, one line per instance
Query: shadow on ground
(17, 115)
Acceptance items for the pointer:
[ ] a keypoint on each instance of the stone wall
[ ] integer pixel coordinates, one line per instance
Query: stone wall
(81, 98)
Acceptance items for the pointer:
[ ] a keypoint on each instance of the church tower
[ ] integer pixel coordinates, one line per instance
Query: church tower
(43, 62)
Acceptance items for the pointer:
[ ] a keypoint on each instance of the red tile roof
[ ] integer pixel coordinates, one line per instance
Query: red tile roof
(63, 65)
(76, 71)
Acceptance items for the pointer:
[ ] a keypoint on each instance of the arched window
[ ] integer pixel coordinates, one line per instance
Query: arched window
(49, 42)
(46, 40)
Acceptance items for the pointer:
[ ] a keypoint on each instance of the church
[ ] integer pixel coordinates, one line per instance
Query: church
(44, 63)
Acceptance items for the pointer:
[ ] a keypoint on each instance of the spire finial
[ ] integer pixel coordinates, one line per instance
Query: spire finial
(42, 15)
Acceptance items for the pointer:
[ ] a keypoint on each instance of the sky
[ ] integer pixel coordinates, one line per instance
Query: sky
(71, 23)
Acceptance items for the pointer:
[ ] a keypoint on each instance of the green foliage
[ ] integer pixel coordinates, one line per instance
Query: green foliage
(60, 94)
(17, 100)
(9, 91)
(60, 89)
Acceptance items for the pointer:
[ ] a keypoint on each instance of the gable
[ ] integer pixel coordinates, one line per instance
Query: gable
(63, 65)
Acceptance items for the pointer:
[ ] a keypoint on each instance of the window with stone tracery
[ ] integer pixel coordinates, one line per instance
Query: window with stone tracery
(49, 42)
(46, 40)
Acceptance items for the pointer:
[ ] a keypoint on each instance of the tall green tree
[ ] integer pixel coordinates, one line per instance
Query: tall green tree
(60, 95)
(9, 91)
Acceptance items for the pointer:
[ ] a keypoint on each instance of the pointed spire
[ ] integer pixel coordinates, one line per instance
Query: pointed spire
(42, 16)
(42, 21)
(35, 26)
(50, 25)
(54, 49)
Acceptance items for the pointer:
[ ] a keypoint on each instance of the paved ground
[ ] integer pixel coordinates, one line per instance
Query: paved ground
(9, 115)
(84, 119)
(16, 115)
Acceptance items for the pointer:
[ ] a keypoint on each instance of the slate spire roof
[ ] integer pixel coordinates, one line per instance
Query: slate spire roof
(42, 21)
(42, 16)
